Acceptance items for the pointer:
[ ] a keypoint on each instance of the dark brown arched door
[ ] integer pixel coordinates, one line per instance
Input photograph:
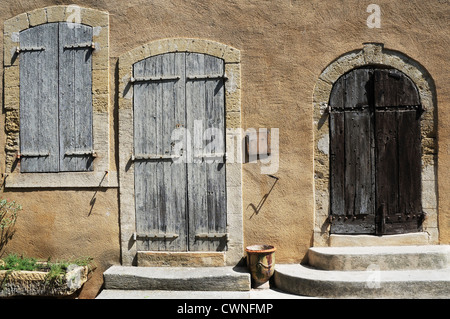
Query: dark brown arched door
(375, 153)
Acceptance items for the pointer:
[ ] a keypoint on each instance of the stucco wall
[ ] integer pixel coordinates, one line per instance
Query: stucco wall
(285, 45)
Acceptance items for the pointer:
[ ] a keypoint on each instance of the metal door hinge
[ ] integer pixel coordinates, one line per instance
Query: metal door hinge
(207, 77)
(154, 236)
(154, 79)
(81, 153)
(31, 154)
(211, 236)
(87, 45)
(29, 49)
(152, 157)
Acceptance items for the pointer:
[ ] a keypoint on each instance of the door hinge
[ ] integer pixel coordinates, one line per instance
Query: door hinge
(154, 79)
(81, 153)
(152, 157)
(211, 236)
(87, 45)
(154, 236)
(207, 77)
(31, 154)
(29, 49)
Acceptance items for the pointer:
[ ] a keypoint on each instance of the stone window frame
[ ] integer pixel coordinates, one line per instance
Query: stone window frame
(101, 176)
(374, 54)
(234, 144)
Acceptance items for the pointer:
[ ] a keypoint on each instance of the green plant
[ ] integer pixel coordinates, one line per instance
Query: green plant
(55, 270)
(14, 262)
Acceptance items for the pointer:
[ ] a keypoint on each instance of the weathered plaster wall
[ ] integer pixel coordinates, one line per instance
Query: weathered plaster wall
(285, 45)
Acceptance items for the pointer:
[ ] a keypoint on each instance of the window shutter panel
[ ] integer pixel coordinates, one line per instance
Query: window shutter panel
(75, 97)
(39, 99)
(206, 174)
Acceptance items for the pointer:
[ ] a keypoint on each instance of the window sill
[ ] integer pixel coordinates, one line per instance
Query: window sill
(62, 180)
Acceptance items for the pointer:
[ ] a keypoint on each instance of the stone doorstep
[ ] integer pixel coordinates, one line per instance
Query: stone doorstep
(177, 278)
(380, 257)
(302, 280)
(33, 283)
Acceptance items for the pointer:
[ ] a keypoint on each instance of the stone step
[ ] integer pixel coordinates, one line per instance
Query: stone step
(380, 257)
(177, 278)
(306, 281)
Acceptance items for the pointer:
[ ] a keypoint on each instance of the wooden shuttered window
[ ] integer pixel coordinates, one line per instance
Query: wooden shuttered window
(56, 98)
(375, 153)
(179, 206)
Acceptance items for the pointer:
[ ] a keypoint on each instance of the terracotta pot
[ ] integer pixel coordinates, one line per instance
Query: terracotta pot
(261, 262)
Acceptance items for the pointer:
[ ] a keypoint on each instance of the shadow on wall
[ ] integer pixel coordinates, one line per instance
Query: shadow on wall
(258, 207)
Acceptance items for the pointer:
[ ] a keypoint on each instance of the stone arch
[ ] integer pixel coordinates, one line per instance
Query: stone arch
(375, 54)
(231, 57)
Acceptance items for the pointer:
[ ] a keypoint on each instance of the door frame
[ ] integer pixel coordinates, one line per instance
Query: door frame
(374, 54)
(234, 145)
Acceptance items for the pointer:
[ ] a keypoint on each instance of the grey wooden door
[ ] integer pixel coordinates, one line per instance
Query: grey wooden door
(375, 153)
(56, 98)
(180, 205)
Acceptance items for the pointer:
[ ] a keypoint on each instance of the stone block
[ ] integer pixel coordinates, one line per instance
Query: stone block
(37, 17)
(233, 120)
(56, 14)
(100, 103)
(180, 259)
(100, 81)
(16, 24)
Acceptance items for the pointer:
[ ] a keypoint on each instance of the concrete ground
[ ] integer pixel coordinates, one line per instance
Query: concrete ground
(170, 294)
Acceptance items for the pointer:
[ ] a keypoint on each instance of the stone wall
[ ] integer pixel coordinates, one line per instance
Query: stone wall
(285, 48)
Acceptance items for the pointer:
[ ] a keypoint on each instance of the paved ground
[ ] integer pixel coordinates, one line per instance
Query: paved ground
(163, 294)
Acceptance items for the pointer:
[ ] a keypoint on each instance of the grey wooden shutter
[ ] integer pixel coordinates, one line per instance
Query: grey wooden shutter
(398, 145)
(39, 140)
(75, 97)
(206, 185)
(352, 154)
(56, 98)
(160, 184)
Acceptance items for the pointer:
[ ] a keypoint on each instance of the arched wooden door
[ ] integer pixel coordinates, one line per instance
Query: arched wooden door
(375, 153)
(180, 204)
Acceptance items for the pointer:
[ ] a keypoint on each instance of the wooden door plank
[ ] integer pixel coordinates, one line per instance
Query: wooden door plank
(160, 185)
(197, 178)
(39, 99)
(206, 177)
(352, 151)
(215, 168)
(75, 97)
(337, 161)
(387, 165)
(394, 89)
